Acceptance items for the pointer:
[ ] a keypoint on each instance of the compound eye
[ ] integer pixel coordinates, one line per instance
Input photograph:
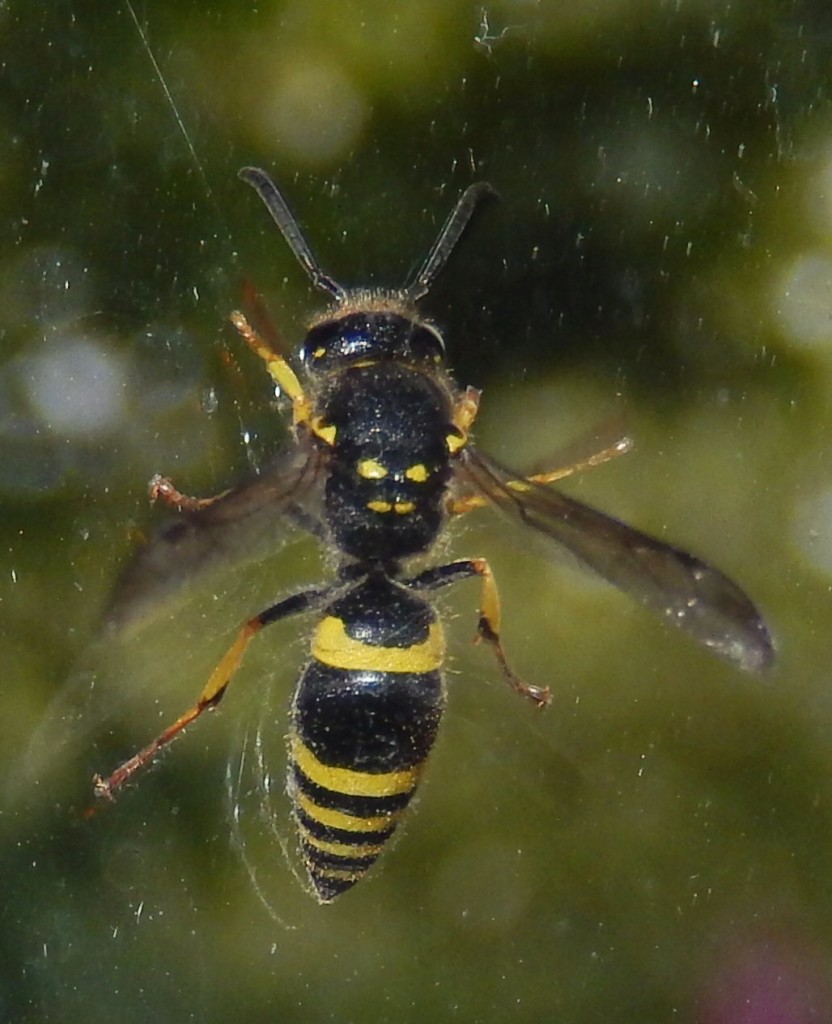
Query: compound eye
(319, 343)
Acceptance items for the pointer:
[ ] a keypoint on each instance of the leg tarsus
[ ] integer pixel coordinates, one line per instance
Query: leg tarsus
(210, 697)
(213, 691)
(469, 502)
(539, 695)
(488, 626)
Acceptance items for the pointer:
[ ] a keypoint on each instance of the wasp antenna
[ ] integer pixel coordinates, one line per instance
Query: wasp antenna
(282, 216)
(448, 238)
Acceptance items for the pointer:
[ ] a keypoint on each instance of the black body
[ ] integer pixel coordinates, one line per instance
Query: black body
(381, 431)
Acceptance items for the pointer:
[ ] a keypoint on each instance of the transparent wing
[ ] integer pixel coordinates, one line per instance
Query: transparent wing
(678, 586)
(125, 673)
(257, 805)
(239, 527)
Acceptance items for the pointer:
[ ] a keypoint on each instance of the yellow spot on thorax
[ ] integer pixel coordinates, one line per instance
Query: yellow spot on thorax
(371, 469)
(418, 474)
(402, 508)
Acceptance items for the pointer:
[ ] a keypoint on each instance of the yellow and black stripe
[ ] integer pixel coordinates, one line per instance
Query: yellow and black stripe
(382, 431)
(365, 717)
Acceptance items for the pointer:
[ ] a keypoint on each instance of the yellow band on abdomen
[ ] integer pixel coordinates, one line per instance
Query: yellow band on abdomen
(334, 647)
(341, 820)
(345, 850)
(347, 781)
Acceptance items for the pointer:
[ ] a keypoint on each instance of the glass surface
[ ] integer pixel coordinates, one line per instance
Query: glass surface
(652, 847)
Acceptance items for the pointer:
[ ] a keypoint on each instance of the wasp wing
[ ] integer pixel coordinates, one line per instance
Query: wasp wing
(233, 529)
(229, 531)
(678, 586)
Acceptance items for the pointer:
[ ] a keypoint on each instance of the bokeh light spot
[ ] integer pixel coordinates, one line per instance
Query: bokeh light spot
(313, 111)
(76, 387)
(803, 300)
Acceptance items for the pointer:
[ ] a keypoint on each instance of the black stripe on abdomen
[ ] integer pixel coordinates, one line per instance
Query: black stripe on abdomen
(357, 747)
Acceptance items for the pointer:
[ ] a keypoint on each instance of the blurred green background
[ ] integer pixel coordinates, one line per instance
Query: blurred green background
(656, 845)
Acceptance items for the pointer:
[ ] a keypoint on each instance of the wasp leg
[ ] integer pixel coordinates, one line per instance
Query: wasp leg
(266, 326)
(488, 627)
(279, 370)
(465, 412)
(161, 488)
(214, 689)
(469, 502)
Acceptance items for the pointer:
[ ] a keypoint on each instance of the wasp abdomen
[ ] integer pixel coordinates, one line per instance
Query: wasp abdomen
(366, 713)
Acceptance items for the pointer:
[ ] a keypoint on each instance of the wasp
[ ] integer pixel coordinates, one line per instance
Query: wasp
(381, 458)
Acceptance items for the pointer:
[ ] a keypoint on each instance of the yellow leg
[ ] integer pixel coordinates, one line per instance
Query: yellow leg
(469, 502)
(488, 627)
(259, 313)
(279, 370)
(464, 414)
(214, 689)
(211, 695)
